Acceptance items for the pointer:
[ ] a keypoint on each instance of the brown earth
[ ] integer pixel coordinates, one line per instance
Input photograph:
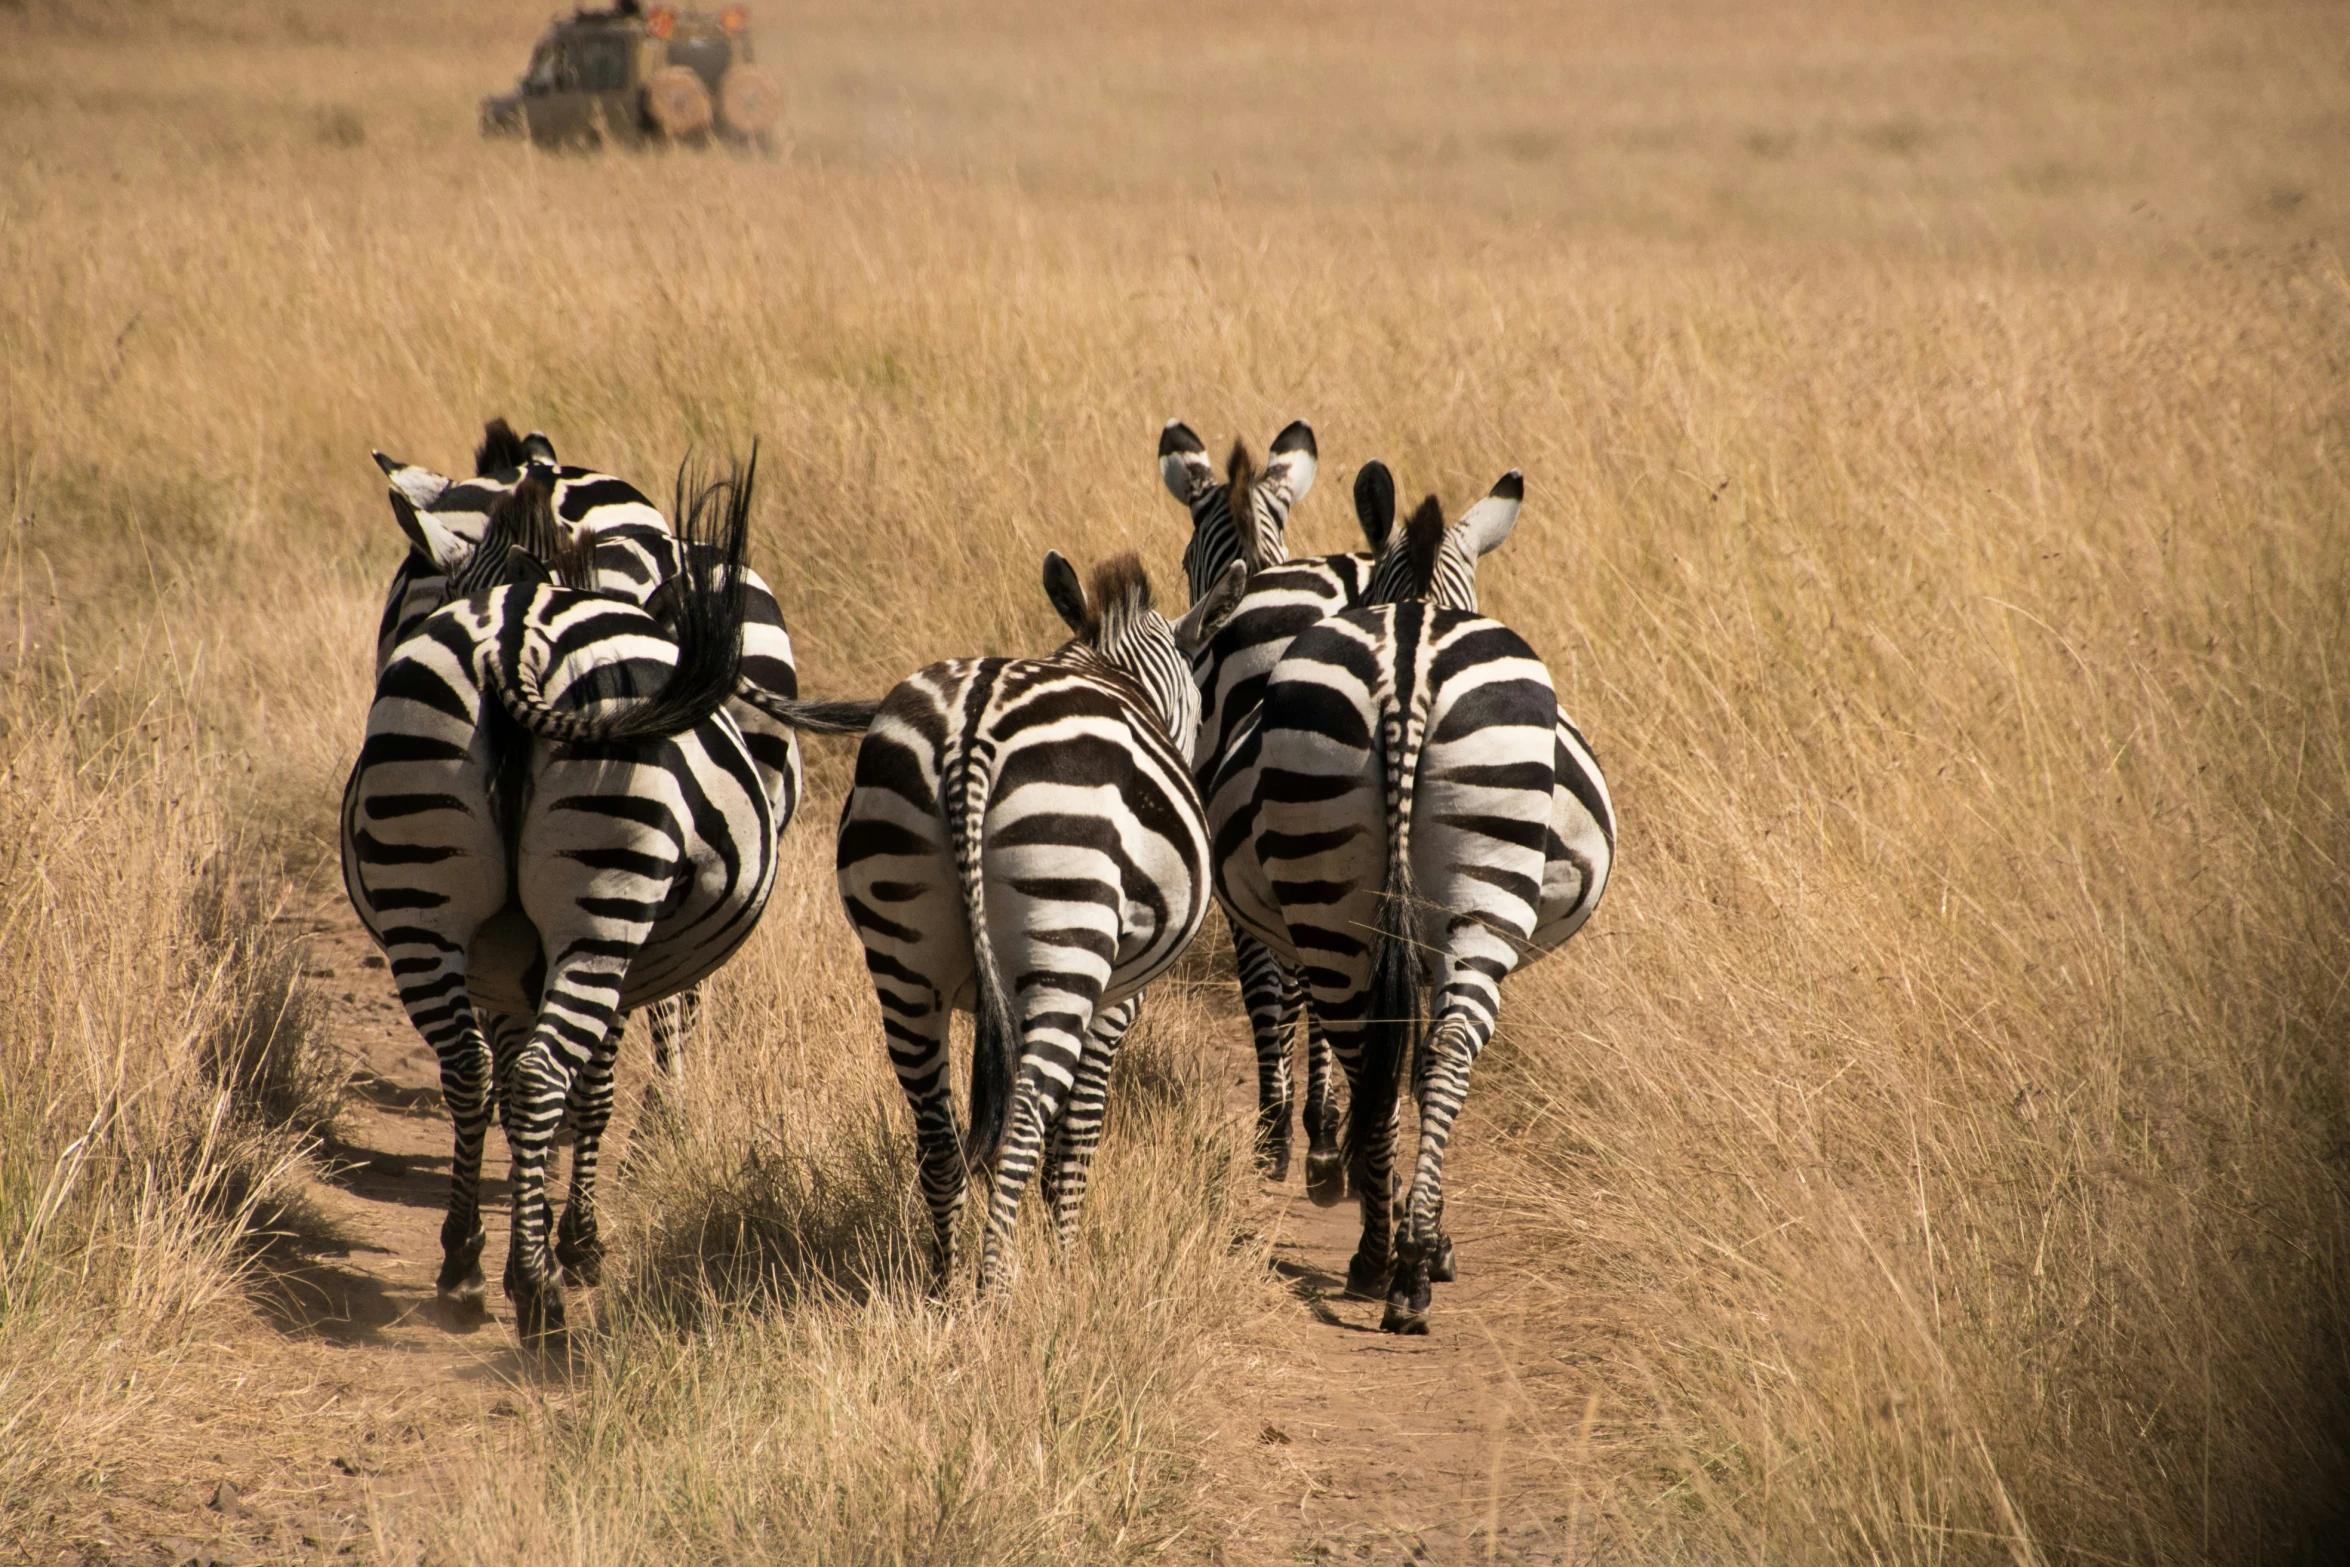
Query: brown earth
(1338, 1443)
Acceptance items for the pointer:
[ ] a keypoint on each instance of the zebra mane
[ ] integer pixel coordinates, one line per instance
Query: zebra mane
(1423, 536)
(522, 522)
(1407, 568)
(574, 561)
(1116, 600)
(500, 451)
(1240, 505)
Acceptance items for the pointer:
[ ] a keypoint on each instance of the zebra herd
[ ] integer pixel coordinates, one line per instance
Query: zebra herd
(583, 748)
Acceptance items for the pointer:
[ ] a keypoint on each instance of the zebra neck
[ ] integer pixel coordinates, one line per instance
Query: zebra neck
(1129, 688)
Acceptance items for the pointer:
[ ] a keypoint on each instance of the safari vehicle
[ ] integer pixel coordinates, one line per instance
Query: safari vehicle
(632, 74)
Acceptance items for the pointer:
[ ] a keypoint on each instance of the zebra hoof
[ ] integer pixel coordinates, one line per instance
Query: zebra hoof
(1441, 1269)
(1325, 1177)
(1365, 1278)
(579, 1248)
(1400, 1318)
(540, 1315)
(468, 1299)
(583, 1264)
(1273, 1162)
(1407, 1301)
(461, 1285)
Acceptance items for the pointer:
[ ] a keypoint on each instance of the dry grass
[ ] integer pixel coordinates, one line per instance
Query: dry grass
(1934, 432)
(157, 1069)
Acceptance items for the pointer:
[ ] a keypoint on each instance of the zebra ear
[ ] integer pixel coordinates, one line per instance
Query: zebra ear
(538, 448)
(1291, 462)
(1375, 503)
(1486, 524)
(422, 486)
(443, 546)
(525, 570)
(1063, 588)
(1183, 462)
(1205, 618)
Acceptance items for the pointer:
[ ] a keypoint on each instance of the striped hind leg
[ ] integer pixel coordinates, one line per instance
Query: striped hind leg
(1059, 1021)
(429, 969)
(579, 1244)
(915, 1021)
(671, 1024)
(578, 1012)
(1079, 1132)
(1271, 999)
(1373, 1171)
(1325, 1163)
(1468, 996)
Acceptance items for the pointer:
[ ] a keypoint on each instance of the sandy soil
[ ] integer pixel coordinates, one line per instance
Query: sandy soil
(1339, 1443)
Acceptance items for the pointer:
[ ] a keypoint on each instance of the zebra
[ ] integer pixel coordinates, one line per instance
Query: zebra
(634, 554)
(1411, 807)
(553, 818)
(1022, 839)
(1284, 597)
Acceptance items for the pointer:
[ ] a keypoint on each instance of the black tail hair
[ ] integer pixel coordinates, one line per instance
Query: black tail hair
(996, 1040)
(500, 451)
(706, 620)
(1393, 1022)
(816, 718)
(1394, 1019)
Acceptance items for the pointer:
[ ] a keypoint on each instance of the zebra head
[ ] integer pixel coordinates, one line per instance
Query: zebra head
(1430, 561)
(1116, 627)
(458, 513)
(446, 520)
(1216, 539)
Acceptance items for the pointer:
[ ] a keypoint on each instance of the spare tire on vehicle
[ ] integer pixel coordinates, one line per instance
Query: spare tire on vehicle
(677, 102)
(749, 101)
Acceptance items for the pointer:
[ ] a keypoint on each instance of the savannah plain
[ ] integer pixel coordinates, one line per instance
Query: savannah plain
(1936, 428)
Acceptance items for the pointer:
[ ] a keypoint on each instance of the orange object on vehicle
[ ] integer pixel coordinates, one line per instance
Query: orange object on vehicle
(660, 22)
(734, 19)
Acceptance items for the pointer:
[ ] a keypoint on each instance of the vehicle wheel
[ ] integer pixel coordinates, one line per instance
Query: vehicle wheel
(677, 103)
(749, 101)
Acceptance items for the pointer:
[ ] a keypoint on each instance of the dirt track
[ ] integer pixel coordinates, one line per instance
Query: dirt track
(1340, 1442)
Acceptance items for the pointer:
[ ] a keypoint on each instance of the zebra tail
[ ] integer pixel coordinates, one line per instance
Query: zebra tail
(1393, 1024)
(816, 718)
(995, 1048)
(707, 622)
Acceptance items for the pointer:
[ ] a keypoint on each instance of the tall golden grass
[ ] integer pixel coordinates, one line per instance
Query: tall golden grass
(1933, 431)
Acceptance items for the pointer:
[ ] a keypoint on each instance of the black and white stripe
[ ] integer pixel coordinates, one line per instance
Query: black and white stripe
(1411, 809)
(615, 541)
(553, 819)
(1284, 598)
(1023, 840)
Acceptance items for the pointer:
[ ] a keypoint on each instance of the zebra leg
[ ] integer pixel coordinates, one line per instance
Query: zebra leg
(579, 1013)
(672, 1023)
(579, 1246)
(532, 1109)
(1272, 1002)
(466, 1090)
(915, 1024)
(1079, 1132)
(1325, 1163)
(1373, 1173)
(1060, 1011)
(1032, 1112)
(1424, 1254)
